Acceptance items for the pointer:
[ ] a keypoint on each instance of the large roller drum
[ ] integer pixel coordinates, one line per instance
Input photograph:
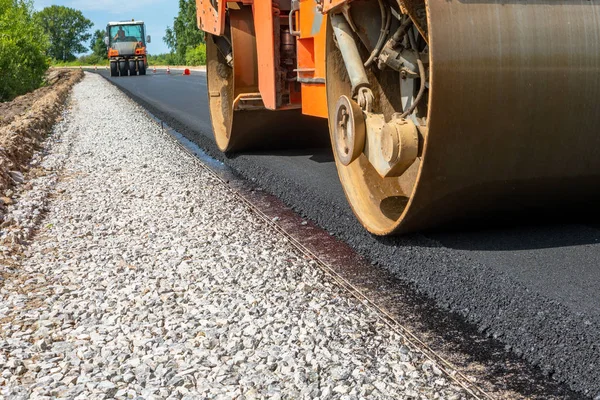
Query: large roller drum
(511, 124)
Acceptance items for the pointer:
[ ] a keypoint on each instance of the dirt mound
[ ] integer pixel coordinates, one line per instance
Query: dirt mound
(25, 121)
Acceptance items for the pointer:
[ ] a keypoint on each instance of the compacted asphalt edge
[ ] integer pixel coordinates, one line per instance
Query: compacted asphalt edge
(545, 332)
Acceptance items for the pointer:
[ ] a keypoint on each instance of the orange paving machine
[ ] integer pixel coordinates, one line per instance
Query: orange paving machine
(437, 110)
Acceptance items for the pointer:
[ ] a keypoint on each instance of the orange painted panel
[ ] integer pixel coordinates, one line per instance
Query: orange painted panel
(263, 26)
(209, 18)
(314, 100)
(244, 52)
(311, 58)
(305, 50)
(320, 40)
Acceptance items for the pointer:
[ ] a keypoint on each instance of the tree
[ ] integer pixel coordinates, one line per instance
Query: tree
(196, 55)
(185, 34)
(162, 59)
(23, 46)
(97, 44)
(67, 30)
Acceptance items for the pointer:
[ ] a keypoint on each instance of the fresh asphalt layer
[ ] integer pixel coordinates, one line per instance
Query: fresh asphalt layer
(535, 288)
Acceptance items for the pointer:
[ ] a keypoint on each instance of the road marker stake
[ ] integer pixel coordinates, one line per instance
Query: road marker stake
(154, 70)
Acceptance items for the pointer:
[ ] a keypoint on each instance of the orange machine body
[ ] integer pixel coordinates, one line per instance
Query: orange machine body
(306, 89)
(311, 59)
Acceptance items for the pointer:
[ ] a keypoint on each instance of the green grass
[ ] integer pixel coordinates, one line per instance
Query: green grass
(81, 61)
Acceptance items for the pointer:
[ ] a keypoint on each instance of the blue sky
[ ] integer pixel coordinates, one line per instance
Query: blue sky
(157, 14)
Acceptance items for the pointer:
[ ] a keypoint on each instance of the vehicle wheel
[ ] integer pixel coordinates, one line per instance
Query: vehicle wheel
(123, 70)
(236, 129)
(483, 152)
(141, 67)
(114, 69)
(132, 70)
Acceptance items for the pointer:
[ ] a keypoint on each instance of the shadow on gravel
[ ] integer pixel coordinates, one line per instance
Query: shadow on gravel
(321, 155)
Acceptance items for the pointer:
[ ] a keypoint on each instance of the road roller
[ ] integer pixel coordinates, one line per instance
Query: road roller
(437, 111)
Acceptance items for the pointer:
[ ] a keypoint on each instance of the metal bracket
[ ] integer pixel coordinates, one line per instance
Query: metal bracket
(248, 101)
(295, 7)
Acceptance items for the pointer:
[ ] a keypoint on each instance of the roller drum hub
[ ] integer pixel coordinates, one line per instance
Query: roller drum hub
(349, 136)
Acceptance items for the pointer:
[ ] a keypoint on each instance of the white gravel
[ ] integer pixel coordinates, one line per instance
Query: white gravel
(147, 278)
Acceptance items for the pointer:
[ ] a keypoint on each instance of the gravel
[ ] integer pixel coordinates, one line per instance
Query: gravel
(141, 276)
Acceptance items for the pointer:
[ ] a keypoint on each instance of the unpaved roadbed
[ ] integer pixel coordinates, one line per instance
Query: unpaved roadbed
(149, 278)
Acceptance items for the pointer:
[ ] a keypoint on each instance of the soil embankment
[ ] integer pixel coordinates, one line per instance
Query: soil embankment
(24, 122)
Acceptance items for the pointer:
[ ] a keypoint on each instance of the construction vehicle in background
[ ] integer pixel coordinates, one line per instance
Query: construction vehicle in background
(437, 110)
(126, 42)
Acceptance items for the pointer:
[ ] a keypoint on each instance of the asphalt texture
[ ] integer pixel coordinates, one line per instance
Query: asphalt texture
(535, 288)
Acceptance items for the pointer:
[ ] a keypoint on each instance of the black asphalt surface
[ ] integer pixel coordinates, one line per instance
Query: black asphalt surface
(535, 288)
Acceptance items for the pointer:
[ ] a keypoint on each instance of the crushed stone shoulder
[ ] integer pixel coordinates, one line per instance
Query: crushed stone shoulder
(147, 278)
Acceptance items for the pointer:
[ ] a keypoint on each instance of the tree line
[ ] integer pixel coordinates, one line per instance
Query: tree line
(23, 45)
(32, 41)
(184, 39)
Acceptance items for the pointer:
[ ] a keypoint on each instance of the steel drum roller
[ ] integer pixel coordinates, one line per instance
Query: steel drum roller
(513, 118)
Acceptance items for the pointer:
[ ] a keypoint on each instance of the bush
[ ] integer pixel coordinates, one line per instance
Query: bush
(23, 45)
(85, 60)
(92, 59)
(162, 59)
(196, 55)
(59, 64)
